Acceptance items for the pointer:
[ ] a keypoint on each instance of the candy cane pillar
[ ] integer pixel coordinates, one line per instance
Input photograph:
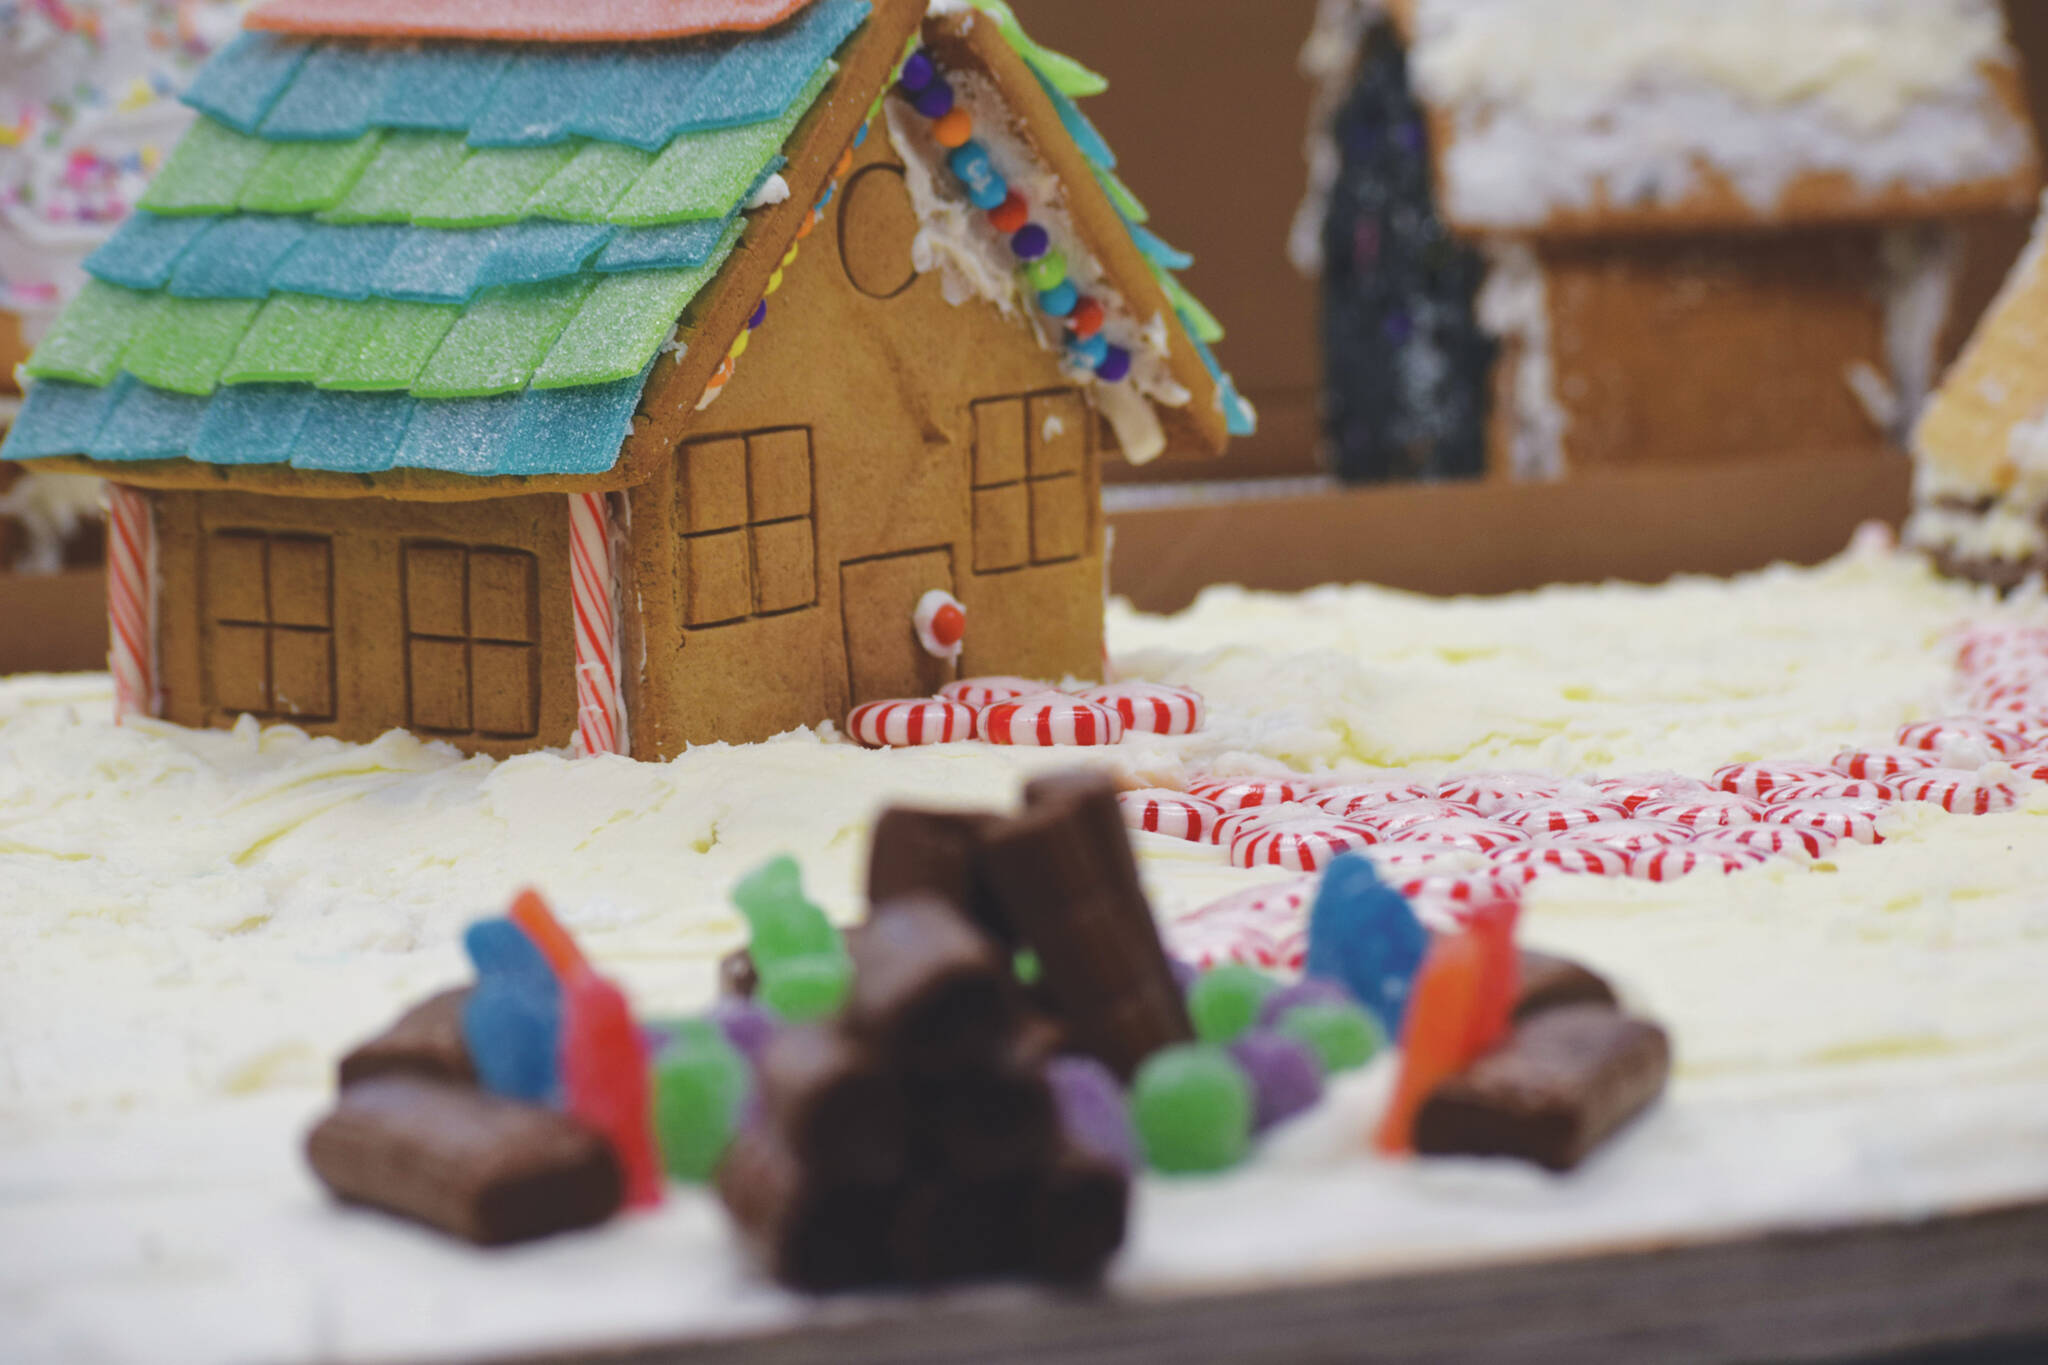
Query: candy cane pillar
(131, 601)
(600, 701)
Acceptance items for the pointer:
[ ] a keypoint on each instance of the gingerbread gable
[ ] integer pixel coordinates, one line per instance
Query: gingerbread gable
(458, 268)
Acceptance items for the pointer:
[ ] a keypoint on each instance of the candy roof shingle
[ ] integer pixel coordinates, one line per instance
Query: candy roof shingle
(375, 258)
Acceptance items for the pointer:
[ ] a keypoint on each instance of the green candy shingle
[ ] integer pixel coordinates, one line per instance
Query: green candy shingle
(387, 345)
(303, 177)
(184, 344)
(290, 341)
(501, 338)
(206, 171)
(625, 321)
(595, 179)
(87, 341)
(491, 187)
(407, 169)
(703, 175)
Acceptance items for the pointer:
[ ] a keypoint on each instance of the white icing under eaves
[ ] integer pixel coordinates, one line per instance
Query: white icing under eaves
(51, 509)
(774, 190)
(1514, 306)
(1330, 62)
(974, 262)
(1556, 104)
(1922, 265)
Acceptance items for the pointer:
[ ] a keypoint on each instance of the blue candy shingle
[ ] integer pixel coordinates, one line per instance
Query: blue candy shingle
(352, 433)
(572, 431)
(757, 80)
(439, 89)
(143, 423)
(332, 96)
(58, 419)
(433, 265)
(533, 253)
(536, 99)
(460, 435)
(641, 96)
(682, 246)
(244, 79)
(237, 258)
(142, 253)
(338, 262)
(1092, 143)
(252, 424)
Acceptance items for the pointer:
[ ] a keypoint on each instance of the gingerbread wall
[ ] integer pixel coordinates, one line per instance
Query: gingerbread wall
(354, 617)
(876, 443)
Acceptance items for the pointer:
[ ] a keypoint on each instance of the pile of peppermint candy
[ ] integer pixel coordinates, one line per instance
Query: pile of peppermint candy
(1025, 713)
(1473, 839)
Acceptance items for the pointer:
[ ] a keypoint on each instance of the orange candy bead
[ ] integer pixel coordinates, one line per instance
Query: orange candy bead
(1087, 318)
(1011, 215)
(954, 129)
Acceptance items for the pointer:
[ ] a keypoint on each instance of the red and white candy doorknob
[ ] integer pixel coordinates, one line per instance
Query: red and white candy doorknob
(941, 624)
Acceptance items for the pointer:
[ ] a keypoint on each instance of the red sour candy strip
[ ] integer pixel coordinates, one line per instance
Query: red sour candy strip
(604, 1078)
(1435, 1035)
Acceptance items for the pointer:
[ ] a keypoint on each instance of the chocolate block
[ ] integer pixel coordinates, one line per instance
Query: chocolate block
(737, 975)
(953, 1229)
(1078, 1216)
(1548, 982)
(843, 1116)
(992, 1122)
(426, 1041)
(935, 854)
(1565, 1081)
(805, 1233)
(929, 990)
(1064, 875)
(488, 1170)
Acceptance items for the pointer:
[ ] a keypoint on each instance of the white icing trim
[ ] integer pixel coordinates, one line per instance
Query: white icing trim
(1514, 306)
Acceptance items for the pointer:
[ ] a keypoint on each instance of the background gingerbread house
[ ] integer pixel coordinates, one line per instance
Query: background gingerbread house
(406, 431)
(1602, 233)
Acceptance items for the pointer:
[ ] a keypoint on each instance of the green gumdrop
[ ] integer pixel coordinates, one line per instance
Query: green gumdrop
(1343, 1037)
(700, 1084)
(1224, 1003)
(1028, 968)
(807, 988)
(784, 923)
(1193, 1109)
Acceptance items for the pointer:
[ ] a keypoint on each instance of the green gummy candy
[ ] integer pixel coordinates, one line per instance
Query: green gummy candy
(1224, 1003)
(206, 171)
(1343, 1037)
(408, 168)
(1193, 1109)
(300, 177)
(700, 1085)
(805, 989)
(90, 337)
(1028, 967)
(785, 924)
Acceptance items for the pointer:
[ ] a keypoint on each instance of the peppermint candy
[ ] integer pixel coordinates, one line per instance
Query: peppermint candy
(1558, 817)
(1713, 810)
(1362, 798)
(1299, 844)
(1755, 780)
(1961, 793)
(1961, 732)
(981, 692)
(1669, 864)
(1855, 820)
(1211, 942)
(1642, 788)
(1175, 814)
(2032, 767)
(1403, 862)
(1489, 792)
(1631, 836)
(1876, 765)
(1235, 822)
(1401, 814)
(1790, 840)
(1151, 708)
(1443, 897)
(911, 724)
(1467, 832)
(1830, 789)
(1051, 721)
(1243, 793)
(1987, 647)
(1549, 856)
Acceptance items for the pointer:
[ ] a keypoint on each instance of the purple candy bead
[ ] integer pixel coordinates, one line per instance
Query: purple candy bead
(760, 315)
(1115, 366)
(1285, 1075)
(1031, 242)
(1185, 973)
(935, 101)
(1310, 990)
(746, 1025)
(1092, 1109)
(918, 72)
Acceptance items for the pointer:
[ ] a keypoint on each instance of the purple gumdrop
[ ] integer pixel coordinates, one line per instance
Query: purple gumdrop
(1185, 973)
(918, 71)
(1092, 1109)
(935, 101)
(1310, 990)
(1286, 1077)
(746, 1025)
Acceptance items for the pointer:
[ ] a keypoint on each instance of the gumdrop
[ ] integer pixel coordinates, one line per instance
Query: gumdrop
(805, 989)
(1192, 1105)
(701, 1083)
(604, 1080)
(747, 1026)
(1342, 1037)
(1307, 991)
(1286, 1076)
(512, 1021)
(784, 923)
(1364, 935)
(1093, 1110)
(1225, 1003)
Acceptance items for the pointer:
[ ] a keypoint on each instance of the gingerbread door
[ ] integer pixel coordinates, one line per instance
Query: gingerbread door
(879, 599)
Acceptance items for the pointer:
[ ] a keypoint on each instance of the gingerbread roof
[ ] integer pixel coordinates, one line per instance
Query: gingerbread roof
(1590, 117)
(462, 264)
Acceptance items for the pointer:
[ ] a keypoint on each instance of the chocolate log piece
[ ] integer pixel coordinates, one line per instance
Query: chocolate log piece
(1565, 1081)
(475, 1166)
(807, 1234)
(1078, 1216)
(930, 991)
(737, 975)
(1064, 876)
(842, 1114)
(952, 1229)
(1548, 982)
(988, 1123)
(426, 1041)
(935, 854)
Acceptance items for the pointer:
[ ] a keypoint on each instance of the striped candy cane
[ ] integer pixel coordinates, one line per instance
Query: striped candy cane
(131, 601)
(600, 703)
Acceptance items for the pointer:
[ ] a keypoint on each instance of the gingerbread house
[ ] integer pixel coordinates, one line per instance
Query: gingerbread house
(1564, 237)
(619, 372)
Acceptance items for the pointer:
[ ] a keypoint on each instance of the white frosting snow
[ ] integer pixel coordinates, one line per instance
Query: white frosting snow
(51, 509)
(195, 924)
